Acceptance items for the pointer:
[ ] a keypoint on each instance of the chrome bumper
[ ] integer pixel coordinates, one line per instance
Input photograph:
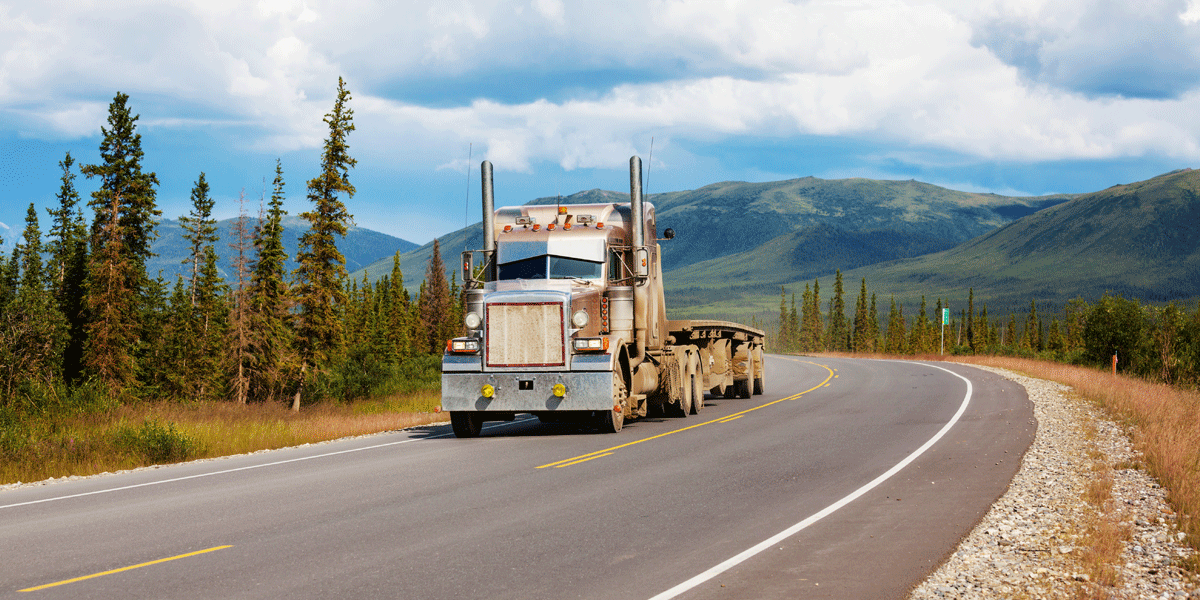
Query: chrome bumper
(527, 392)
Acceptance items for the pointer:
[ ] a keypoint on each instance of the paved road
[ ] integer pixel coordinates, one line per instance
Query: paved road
(780, 496)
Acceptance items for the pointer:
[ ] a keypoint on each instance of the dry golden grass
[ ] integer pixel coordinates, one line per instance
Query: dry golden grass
(138, 435)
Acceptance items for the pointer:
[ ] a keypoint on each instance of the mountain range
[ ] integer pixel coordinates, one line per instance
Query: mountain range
(737, 244)
(360, 246)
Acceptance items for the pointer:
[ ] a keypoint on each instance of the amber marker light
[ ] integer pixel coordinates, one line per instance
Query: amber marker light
(560, 390)
(488, 391)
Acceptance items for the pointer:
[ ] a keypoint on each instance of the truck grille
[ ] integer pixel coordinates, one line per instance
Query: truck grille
(525, 335)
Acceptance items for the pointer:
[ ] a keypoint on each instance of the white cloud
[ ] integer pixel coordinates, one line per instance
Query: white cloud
(1005, 79)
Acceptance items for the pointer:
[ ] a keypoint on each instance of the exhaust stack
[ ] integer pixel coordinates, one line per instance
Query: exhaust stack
(489, 208)
(635, 202)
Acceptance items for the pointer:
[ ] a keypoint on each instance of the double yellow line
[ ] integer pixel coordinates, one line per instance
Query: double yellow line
(609, 451)
(123, 569)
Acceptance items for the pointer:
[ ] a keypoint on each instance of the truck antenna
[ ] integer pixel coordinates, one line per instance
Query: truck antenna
(467, 200)
(649, 166)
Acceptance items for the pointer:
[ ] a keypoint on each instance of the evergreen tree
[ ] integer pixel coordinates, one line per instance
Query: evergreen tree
(1032, 338)
(805, 322)
(152, 317)
(200, 230)
(210, 319)
(971, 321)
(399, 315)
(862, 332)
(1010, 333)
(816, 327)
(434, 303)
(785, 335)
(68, 258)
(918, 341)
(122, 231)
(896, 334)
(32, 328)
(271, 351)
(793, 327)
(838, 334)
(322, 268)
(239, 307)
(873, 324)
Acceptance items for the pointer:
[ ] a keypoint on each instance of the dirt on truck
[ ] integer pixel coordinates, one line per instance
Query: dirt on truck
(566, 320)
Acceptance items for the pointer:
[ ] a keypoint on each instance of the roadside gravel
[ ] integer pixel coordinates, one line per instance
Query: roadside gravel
(1032, 543)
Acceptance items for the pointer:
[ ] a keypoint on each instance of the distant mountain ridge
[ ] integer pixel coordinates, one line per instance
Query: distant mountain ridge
(807, 226)
(1140, 240)
(360, 246)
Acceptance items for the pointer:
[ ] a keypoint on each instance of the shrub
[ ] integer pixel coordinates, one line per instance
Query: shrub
(156, 443)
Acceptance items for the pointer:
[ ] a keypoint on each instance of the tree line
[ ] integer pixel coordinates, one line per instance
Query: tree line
(79, 315)
(1161, 343)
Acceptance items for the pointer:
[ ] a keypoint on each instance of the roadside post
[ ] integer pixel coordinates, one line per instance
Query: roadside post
(945, 322)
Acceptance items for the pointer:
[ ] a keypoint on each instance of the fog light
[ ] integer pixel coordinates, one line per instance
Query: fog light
(488, 391)
(560, 390)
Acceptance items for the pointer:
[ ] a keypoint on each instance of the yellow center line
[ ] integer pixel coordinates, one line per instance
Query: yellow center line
(582, 457)
(728, 419)
(585, 460)
(145, 564)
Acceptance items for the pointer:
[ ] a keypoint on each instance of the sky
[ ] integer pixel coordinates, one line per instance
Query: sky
(1016, 97)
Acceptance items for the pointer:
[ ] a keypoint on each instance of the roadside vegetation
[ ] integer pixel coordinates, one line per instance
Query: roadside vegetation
(103, 367)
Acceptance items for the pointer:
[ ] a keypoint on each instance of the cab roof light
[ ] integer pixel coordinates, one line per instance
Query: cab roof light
(508, 229)
(562, 210)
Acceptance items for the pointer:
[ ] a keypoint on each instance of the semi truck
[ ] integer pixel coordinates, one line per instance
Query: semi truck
(565, 319)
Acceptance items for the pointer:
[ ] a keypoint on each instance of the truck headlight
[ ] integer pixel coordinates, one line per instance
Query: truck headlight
(463, 346)
(599, 344)
(579, 319)
(472, 320)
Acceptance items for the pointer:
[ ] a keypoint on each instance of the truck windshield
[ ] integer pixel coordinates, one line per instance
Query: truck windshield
(551, 267)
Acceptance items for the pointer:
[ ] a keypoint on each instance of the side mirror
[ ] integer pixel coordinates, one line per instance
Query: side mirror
(669, 234)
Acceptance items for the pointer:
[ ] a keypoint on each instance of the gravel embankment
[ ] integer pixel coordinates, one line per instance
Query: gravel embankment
(1031, 543)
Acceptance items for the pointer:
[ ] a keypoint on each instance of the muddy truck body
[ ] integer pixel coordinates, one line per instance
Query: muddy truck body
(566, 320)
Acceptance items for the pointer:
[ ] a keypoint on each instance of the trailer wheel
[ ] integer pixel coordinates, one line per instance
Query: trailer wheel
(697, 394)
(760, 369)
(693, 382)
(611, 421)
(466, 424)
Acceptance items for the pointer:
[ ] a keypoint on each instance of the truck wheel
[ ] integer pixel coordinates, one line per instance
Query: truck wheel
(611, 421)
(760, 369)
(759, 372)
(697, 394)
(466, 424)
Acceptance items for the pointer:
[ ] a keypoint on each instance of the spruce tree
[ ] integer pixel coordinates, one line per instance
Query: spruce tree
(793, 326)
(200, 230)
(804, 335)
(32, 325)
(399, 314)
(862, 331)
(896, 334)
(239, 307)
(319, 290)
(434, 303)
(122, 231)
(838, 334)
(68, 258)
(816, 327)
(971, 321)
(271, 349)
(784, 338)
(873, 324)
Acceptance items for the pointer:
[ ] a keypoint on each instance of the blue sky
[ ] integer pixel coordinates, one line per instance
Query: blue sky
(1022, 97)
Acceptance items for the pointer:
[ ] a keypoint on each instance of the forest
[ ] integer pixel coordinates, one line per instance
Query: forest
(82, 322)
(1158, 343)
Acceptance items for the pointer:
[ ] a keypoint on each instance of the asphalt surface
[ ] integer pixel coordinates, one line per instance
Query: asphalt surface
(847, 479)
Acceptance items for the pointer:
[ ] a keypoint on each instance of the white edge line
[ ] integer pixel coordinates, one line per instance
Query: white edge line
(246, 468)
(794, 529)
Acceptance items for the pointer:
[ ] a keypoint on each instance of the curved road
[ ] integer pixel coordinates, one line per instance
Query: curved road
(848, 479)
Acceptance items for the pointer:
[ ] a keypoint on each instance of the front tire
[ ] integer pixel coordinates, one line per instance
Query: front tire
(613, 419)
(466, 424)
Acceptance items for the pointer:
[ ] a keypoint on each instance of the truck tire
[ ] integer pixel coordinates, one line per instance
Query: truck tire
(466, 424)
(611, 421)
(759, 372)
(744, 359)
(677, 385)
(693, 381)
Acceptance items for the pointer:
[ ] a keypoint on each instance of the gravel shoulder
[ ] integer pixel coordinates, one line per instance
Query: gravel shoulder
(1033, 543)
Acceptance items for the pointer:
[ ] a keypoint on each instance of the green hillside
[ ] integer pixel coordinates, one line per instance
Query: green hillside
(762, 234)
(1140, 240)
(361, 247)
